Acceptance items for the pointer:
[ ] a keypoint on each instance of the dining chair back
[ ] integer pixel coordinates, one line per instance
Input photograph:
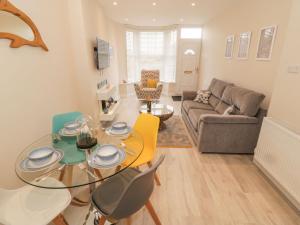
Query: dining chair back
(137, 193)
(59, 120)
(147, 125)
(134, 195)
(68, 144)
(30, 205)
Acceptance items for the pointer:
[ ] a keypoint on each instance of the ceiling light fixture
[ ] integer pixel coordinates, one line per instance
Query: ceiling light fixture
(126, 19)
(115, 3)
(154, 20)
(193, 4)
(181, 19)
(154, 3)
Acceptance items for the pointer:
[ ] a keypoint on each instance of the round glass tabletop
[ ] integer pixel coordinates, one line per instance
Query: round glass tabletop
(158, 109)
(71, 166)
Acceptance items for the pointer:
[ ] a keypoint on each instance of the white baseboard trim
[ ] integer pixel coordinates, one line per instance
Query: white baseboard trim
(293, 202)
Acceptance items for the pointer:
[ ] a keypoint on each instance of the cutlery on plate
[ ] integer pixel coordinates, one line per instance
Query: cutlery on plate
(122, 145)
(83, 167)
(49, 173)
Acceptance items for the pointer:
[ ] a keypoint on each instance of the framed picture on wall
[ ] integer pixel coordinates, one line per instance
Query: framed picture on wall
(266, 42)
(244, 44)
(229, 46)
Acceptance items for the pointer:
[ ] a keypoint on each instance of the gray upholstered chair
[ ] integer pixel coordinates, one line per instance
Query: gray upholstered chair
(141, 89)
(126, 193)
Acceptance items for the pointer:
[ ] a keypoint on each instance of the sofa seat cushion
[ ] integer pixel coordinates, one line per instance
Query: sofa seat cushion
(247, 101)
(149, 89)
(195, 114)
(189, 104)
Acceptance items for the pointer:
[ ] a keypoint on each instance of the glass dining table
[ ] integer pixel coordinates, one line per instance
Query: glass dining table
(73, 169)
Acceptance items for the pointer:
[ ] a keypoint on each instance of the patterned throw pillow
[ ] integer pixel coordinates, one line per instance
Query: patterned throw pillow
(229, 111)
(202, 96)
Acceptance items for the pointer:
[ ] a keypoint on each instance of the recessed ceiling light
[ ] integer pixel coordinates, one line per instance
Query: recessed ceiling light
(193, 4)
(154, 20)
(181, 19)
(115, 3)
(154, 3)
(126, 19)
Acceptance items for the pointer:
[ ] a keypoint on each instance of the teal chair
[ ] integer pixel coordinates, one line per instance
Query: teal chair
(72, 155)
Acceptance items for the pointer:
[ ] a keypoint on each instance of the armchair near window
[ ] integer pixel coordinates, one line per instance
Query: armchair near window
(142, 89)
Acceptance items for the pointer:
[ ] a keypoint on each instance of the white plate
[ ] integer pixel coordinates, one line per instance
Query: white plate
(112, 131)
(68, 133)
(119, 125)
(97, 163)
(107, 152)
(30, 165)
(73, 125)
(41, 153)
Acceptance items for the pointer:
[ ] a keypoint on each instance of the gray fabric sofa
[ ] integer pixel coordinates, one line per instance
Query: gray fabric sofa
(217, 133)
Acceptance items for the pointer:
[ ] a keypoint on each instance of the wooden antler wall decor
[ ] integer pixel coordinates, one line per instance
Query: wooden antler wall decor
(17, 41)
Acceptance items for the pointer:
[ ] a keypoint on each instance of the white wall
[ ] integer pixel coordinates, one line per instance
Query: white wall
(35, 85)
(84, 29)
(244, 16)
(285, 102)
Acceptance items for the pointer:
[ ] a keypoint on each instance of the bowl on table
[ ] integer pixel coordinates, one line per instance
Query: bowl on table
(119, 126)
(41, 156)
(107, 152)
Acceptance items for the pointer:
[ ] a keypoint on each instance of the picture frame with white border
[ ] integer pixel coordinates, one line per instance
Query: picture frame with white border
(265, 46)
(229, 46)
(244, 45)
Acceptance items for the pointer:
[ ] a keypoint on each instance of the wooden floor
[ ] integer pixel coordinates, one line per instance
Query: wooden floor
(206, 189)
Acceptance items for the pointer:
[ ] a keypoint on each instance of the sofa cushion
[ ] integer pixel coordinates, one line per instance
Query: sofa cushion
(217, 87)
(194, 116)
(247, 101)
(221, 107)
(213, 101)
(189, 104)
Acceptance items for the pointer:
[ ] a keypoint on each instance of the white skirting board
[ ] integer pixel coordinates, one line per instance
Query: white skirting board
(278, 156)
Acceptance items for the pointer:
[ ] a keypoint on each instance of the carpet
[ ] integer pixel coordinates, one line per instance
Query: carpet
(174, 135)
(176, 98)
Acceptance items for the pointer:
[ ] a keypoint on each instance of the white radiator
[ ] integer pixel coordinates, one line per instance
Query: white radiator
(278, 155)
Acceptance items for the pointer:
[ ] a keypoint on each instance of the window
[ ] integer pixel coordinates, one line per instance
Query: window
(151, 50)
(191, 33)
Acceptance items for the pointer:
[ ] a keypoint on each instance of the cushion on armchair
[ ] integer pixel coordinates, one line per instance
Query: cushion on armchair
(151, 83)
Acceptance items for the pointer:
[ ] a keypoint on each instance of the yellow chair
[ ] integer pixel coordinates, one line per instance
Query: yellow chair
(147, 125)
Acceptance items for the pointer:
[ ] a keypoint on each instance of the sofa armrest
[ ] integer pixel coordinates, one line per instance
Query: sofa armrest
(189, 95)
(231, 119)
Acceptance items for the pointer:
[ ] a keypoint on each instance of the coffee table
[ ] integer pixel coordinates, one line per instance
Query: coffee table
(162, 111)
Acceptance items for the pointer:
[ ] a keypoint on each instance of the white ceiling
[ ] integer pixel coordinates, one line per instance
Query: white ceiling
(166, 12)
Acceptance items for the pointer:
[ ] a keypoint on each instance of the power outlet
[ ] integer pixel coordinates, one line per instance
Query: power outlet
(294, 69)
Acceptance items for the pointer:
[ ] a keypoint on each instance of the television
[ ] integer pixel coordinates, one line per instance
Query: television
(102, 54)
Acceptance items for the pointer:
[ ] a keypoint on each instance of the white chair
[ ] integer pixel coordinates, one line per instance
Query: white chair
(34, 206)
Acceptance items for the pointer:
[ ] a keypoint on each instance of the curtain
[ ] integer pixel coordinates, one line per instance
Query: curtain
(151, 50)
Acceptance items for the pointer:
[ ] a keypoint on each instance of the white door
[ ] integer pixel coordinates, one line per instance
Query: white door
(188, 71)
